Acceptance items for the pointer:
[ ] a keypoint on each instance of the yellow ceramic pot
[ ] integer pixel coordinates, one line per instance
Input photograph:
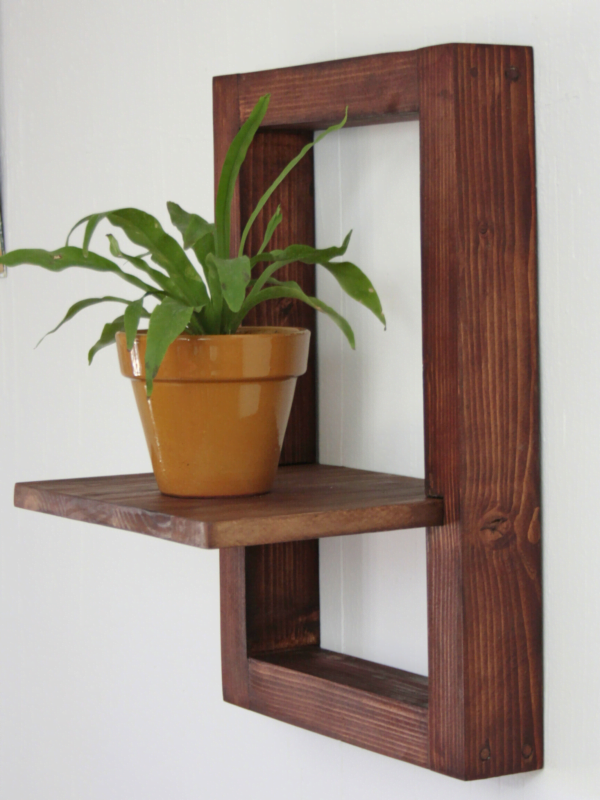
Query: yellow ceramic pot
(216, 418)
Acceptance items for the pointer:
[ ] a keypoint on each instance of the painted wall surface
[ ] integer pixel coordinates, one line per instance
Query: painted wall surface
(109, 642)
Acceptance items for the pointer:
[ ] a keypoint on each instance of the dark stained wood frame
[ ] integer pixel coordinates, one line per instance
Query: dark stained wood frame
(479, 714)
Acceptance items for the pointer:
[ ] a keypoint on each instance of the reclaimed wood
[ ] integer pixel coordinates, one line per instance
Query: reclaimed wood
(482, 418)
(365, 704)
(307, 502)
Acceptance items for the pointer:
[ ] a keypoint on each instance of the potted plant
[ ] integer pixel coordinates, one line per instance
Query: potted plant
(214, 397)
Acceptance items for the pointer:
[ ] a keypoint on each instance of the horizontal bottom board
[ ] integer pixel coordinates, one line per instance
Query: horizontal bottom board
(372, 706)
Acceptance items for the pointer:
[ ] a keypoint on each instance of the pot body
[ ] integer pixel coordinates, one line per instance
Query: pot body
(216, 418)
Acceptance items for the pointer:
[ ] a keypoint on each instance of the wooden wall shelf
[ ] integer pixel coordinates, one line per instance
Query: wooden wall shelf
(307, 502)
(479, 714)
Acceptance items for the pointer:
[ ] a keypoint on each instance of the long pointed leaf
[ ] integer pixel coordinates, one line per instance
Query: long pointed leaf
(304, 253)
(144, 230)
(80, 306)
(350, 277)
(65, 257)
(107, 337)
(282, 175)
(292, 290)
(263, 278)
(234, 276)
(77, 224)
(231, 167)
(167, 321)
(93, 222)
(200, 236)
(191, 226)
(162, 280)
(356, 284)
(273, 223)
(203, 247)
(131, 320)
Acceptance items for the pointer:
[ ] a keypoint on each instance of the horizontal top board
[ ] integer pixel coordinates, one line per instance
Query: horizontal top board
(375, 89)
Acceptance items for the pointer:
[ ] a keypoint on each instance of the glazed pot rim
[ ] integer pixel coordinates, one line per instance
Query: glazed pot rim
(246, 330)
(259, 353)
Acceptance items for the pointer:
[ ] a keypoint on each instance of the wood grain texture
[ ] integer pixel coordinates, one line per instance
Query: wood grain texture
(365, 704)
(307, 502)
(439, 267)
(234, 652)
(282, 596)
(226, 123)
(397, 684)
(270, 152)
(379, 88)
(482, 412)
(234, 655)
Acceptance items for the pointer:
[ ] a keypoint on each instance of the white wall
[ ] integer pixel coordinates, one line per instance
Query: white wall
(109, 655)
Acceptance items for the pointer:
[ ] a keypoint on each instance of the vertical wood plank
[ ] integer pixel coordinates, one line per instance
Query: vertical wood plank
(484, 567)
(234, 656)
(270, 593)
(270, 152)
(282, 581)
(282, 596)
(234, 653)
(226, 123)
(439, 256)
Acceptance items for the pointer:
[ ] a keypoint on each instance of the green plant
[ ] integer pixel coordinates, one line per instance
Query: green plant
(188, 303)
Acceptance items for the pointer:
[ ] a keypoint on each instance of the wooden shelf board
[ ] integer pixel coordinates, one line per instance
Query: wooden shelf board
(334, 690)
(308, 502)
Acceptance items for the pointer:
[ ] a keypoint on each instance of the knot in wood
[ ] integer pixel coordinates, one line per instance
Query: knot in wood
(485, 753)
(496, 529)
(512, 73)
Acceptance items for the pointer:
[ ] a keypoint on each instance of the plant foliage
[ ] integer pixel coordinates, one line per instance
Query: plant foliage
(216, 298)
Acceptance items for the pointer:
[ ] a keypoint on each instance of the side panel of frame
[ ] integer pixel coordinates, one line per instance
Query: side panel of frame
(270, 593)
(482, 418)
(481, 397)
(234, 661)
(439, 255)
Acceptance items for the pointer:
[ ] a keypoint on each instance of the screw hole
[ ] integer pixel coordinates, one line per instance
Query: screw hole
(527, 751)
